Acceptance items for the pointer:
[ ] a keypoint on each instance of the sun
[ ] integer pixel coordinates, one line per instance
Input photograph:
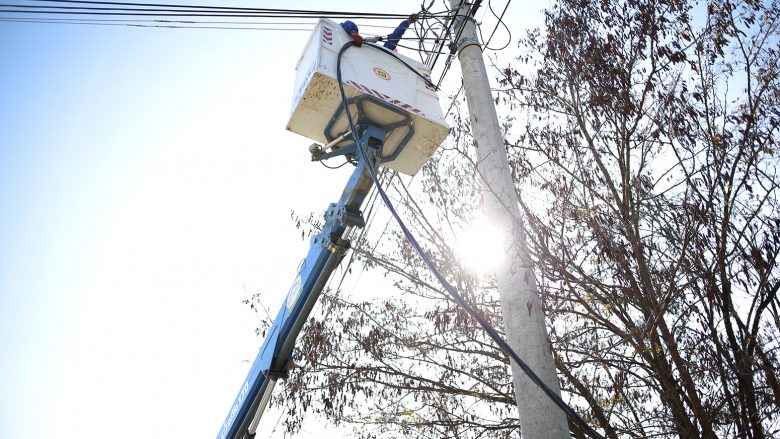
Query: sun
(479, 247)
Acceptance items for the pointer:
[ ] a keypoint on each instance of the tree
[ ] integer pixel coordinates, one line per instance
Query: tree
(642, 134)
(659, 248)
(414, 362)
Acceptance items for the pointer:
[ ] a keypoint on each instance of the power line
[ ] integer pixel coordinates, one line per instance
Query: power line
(500, 22)
(107, 20)
(202, 7)
(486, 45)
(143, 15)
(129, 20)
(184, 13)
(453, 48)
(417, 49)
(445, 38)
(161, 24)
(177, 10)
(279, 10)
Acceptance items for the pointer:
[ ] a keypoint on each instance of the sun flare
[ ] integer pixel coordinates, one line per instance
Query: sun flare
(479, 247)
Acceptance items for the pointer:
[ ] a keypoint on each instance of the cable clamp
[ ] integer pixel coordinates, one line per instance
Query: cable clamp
(468, 41)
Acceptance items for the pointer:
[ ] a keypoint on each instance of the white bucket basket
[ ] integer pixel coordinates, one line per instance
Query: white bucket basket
(392, 95)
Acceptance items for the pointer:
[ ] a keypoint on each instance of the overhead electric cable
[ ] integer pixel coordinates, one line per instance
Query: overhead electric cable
(185, 14)
(129, 20)
(109, 20)
(500, 22)
(484, 47)
(153, 9)
(161, 24)
(419, 50)
(445, 39)
(231, 8)
(454, 44)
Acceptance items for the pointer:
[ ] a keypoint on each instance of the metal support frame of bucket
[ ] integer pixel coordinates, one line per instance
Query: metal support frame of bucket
(363, 120)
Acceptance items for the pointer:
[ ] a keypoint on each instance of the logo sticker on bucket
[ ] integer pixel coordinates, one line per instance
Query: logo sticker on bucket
(385, 97)
(381, 73)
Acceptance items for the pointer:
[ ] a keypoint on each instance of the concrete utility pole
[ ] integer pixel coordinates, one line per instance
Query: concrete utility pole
(520, 304)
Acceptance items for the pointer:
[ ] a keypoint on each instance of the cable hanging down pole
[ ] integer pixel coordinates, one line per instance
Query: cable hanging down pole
(550, 395)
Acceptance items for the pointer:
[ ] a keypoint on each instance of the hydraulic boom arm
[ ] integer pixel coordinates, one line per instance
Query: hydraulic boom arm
(326, 252)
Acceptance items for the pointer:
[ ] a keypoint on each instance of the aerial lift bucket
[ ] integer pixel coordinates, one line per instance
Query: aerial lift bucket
(381, 91)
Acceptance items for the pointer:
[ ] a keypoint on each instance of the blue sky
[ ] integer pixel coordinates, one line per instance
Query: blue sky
(146, 185)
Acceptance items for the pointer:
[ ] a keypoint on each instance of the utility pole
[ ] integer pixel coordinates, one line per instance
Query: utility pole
(520, 305)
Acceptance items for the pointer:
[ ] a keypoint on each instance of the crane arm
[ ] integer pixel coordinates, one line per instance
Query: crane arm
(327, 250)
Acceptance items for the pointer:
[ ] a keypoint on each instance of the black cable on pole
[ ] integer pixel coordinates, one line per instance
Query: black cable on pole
(500, 22)
(445, 38)
(468, 16)
(485, 47)
(502, 344)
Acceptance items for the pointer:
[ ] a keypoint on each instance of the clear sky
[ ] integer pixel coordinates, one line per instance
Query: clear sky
(146, 186)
